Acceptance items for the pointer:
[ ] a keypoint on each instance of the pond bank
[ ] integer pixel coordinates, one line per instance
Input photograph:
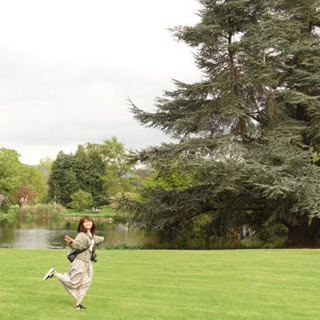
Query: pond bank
(95, 219)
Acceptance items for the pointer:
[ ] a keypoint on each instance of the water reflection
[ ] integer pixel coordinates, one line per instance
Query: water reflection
(33, 239)
(33, 236)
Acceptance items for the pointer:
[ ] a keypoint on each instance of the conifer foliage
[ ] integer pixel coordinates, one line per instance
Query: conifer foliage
(247, 131)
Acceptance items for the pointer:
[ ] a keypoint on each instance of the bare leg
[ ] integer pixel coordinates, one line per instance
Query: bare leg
(79, 305)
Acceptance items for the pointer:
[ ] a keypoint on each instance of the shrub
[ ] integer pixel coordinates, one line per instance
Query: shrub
(81, 200)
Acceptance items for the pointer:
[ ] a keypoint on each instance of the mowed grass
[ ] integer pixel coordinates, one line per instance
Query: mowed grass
(104, 212)
(143, 284)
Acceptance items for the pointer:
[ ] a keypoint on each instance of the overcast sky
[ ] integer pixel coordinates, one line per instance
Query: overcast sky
(67, 68)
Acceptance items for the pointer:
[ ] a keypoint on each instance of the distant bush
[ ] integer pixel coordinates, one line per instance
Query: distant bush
(81, 200)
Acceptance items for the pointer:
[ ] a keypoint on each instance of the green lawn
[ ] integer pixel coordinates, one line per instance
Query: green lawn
(142, 284)
(104, 212)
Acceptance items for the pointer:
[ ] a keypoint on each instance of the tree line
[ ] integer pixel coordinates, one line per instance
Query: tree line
(94, 173)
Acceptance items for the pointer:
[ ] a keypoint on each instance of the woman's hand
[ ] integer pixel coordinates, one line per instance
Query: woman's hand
(68, 239)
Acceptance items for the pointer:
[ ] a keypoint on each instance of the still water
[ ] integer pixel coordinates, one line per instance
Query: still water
(37, 236)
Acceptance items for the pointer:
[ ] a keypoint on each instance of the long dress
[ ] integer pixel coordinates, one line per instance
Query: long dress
(78, 278)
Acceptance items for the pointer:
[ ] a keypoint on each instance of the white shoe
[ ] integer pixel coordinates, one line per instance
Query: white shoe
(49, 274)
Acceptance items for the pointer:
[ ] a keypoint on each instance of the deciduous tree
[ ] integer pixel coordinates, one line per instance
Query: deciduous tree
(11, 173)
(116, 176)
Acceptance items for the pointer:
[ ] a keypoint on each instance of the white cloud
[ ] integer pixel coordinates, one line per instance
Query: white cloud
(67, 68)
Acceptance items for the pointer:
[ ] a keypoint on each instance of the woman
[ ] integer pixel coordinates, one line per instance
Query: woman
(79, 276)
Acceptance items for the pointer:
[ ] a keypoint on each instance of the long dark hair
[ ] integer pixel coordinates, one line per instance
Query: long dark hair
(81, 227)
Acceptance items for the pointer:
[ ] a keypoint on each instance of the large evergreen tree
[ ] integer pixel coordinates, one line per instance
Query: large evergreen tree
(62, 181)
(73, 172)
(247, 130)
(89, 169)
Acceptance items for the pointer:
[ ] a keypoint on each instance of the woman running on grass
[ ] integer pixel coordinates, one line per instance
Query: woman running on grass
(79, 276)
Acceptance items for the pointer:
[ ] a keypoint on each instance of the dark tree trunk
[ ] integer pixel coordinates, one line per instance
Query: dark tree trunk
(304, 234)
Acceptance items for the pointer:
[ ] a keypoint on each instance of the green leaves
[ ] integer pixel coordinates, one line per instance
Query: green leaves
(81, 200)
(98, 169)
(11, 172)
(246, 130)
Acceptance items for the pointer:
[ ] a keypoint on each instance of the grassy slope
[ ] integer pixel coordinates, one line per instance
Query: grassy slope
(127, 284)
(104, 212)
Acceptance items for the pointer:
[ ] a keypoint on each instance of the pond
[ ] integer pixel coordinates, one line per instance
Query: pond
(51, 236)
